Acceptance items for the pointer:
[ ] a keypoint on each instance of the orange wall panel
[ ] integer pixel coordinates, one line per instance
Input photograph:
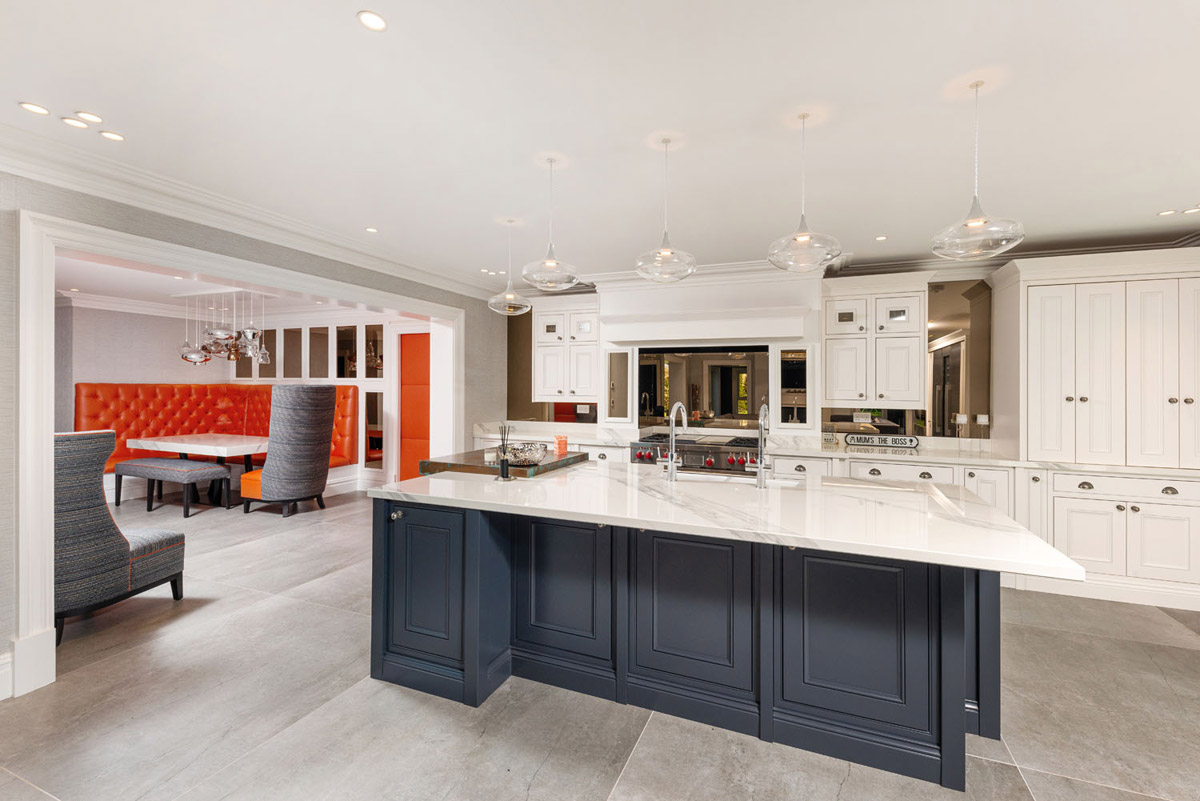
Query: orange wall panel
(414, 403)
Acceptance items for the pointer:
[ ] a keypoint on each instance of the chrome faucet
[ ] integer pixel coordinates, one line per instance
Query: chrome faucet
(764, 420)
(678, 406)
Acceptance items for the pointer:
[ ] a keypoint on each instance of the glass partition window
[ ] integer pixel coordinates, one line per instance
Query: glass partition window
(793, 386)
(373, 352)
(269, 342)
(293, 353)
(318, 352)
(244, 368)
(373, 420)
(347, 351)
(618, 385)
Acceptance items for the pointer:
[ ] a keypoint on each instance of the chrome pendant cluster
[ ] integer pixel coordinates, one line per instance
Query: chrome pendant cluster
(206, 338)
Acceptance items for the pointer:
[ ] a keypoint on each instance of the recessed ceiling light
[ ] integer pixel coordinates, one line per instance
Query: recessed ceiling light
(1191, 211)
(1166, 213)
(881, 239)
(74, 123)
(73, 289)
(372, 230)
(491, 272)
(177, 277)
(34, 108)
(372, 21)
(483, 269)
(320, 302)
(89, 116)
(505, 272)
(113, 135)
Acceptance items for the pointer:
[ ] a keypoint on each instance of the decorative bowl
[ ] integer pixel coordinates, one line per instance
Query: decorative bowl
(523, 454)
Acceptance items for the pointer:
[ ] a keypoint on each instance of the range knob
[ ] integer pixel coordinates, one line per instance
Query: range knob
(742, 460)
(708, 462)
(751, 460)
(731, 460)
(641, 455)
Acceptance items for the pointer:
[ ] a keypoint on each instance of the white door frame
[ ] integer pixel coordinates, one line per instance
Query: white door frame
(33, 658)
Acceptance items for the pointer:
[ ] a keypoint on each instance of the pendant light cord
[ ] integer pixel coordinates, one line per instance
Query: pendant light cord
(976, 86)
(509, 225)
(803, 160)
(666, 181)
(551, 163)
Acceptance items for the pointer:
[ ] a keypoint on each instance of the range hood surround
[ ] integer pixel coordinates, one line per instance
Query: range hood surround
(726, 304)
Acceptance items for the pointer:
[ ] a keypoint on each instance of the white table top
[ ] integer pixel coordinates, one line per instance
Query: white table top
(225, 445)
(938, 524)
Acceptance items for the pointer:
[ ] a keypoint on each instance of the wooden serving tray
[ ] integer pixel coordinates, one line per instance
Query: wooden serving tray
(472, 462)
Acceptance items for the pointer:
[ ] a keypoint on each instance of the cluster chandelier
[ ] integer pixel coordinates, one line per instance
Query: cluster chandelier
(206, 338)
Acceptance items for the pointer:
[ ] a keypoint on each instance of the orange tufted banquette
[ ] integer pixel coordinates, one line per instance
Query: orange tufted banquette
(161, 410)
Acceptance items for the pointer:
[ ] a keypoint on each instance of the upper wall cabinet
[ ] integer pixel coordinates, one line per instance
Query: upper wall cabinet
(899, 315)
(566, 355)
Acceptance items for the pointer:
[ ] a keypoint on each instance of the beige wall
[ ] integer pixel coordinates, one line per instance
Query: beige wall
(485, 331)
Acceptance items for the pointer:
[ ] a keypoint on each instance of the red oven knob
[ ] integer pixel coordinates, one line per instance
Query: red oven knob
(641, 455)
(751, 460)
(731, 460)
(742, 460)
(708, 462)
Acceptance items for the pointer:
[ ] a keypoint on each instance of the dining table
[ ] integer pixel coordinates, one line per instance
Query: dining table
(219, 446)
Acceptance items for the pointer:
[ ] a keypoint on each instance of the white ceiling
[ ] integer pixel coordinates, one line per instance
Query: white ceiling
(431, 130)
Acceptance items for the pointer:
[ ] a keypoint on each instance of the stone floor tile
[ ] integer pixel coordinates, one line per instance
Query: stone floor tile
(1100, 618)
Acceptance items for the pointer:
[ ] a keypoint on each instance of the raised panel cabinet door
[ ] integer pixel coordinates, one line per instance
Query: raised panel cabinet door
(550, 373)
(694, 608)
(1164, 542)
(899, 315)
(1152, 354)
(846, 316)
(854, 636)
(899, 370)
(1100, 373)
(1051, 373)
(550, 328)
(1092, 532)
(425, 606)
(1189, 372)
(846, 369)
(992, 485)
(584, 384)
(563, 586)
(585, 327)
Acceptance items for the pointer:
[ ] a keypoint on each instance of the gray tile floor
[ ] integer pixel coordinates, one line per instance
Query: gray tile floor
(255, 687)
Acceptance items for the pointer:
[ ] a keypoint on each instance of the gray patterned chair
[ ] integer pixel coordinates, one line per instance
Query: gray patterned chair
(95, 562)
(298, 444)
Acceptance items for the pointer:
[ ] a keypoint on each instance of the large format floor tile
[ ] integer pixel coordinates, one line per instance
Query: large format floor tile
(348, 588)
(379, 742)
(1101, 618)
(1186, 617)
(14, 789)
(1048, 787)
(678, 759)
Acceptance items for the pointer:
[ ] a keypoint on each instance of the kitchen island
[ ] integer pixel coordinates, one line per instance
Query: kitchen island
(856, 619)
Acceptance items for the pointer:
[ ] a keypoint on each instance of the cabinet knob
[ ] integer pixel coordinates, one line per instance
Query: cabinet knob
(1135, 508)
(881, 394)
(572, 392)
(875, 471)
(926, 474)
(560, 392)
(862, 328)
(799, 468)
(1070, 398)
(396, 515)
(1120, 507)
(572, 336)
(1036, 479)
(1170, 491)
(971, 474)
(1172, 400)
(1189, 400)
(1083, 399)
(861, 395)
(1086, 485)
(881, 328)
(602, 456)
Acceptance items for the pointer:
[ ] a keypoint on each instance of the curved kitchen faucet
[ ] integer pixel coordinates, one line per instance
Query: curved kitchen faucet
(678, 406)
(764, 420)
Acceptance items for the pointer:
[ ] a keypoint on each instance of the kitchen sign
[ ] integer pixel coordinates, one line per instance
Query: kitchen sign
(881, 441)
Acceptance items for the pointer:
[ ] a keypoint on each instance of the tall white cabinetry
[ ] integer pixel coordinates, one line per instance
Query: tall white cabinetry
(566, 351)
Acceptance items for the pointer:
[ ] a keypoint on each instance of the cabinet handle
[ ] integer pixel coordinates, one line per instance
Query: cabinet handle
(1086, 485)
(1172, 400)
(560, 339)
(1120, 507)
(1070, 398)
(1083, 399)
(971, 474)
(1036, 479)
(560, 392)
(799, 468)
(1135, 509)
(572, 392)
(1189, 400)
(875, 471)
(602, 456)
(861, 395)
(572, 336)
(396, 515)
(925, 474)
(881, 394)
(881, 328)
(1170, 491)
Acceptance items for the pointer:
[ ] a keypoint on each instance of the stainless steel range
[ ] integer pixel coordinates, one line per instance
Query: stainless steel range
(707, 454)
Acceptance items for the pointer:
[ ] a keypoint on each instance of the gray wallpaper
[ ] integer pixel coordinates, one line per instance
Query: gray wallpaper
(485, 331)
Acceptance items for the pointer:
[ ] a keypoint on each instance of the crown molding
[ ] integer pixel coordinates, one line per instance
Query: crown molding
(30, 156)
(297, 317)
(740, 271)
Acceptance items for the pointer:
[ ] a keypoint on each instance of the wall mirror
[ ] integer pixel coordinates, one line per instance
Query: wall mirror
(720, 386)
(960, 346)
(617, 386)
(793, 386)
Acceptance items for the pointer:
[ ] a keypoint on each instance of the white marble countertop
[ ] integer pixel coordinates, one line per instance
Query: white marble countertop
(917, 522)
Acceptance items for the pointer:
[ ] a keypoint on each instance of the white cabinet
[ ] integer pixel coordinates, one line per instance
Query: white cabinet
(900, 314)
(992, 485)
(1164, 542)
(1051, 373)
(1031, 501)
(549, 374)
(1100, 373)
(566, 356)
(583, 326)
(584, 372)
(799, 466)
(846, 316)
(846, 369)
(903, 471)
(1092, 532)
(1152, 318)
(1189, 372)
(898, 374)
(549, 328)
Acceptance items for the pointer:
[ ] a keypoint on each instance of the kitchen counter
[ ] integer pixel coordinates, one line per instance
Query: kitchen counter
(938, 524)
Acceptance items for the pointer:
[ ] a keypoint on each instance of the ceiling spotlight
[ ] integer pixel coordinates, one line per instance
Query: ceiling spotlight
(483, 269)
(177, 277)
(881, 239)
(320, 303)
(73, 289)
(89, 116)
(372, 21)
(1166, 213)
(372, 230)
(1191, 211)
(34, 108)
(74, 123)
(113, 136)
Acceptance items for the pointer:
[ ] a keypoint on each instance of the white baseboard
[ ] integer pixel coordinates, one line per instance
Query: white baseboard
(6, 684)
(1114, 588)
(33, 662)
(341, 479)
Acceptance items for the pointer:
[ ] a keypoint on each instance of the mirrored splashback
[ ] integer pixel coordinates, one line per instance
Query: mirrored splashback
(720, 386)
(960, 365)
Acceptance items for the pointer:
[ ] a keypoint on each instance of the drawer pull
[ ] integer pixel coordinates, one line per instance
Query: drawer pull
(799, 468)
(1083, 398)
(396, 515)
(971, 474)
(1086, 485)
(1036, 479)
(1070, 398)
(1170, 491)
(1189, 400)
(1172, 400)
(926, 474)
(1134, 509)
(1120, 507)
(875, 471)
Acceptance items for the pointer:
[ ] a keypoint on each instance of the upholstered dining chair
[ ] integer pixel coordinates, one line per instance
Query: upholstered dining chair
(298, 443)
(96, 563)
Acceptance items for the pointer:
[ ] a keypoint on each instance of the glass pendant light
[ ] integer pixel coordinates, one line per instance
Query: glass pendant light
(508, 302)
(550, 274)
(978, 235)
(804, 251)
(665, 264)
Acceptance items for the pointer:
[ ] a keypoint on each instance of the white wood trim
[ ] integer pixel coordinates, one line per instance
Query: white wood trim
(1173, 594)
(6, 682)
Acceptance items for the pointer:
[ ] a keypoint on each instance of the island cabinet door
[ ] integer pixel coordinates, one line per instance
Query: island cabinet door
(854, 636)
(563, 586)
(693, 608)
(425, 556)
